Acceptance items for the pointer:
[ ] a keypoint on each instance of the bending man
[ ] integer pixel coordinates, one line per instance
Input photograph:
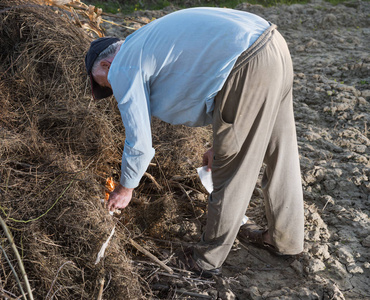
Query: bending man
(215, 66)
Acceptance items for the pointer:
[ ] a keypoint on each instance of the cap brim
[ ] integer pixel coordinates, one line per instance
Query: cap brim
(98, 91)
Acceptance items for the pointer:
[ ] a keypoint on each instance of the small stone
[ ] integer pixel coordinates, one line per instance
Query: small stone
(319, 279)
(330, 19)
(330, 184)
(300, 48)
(277, 293)
(334, 292)
(337, 268)
(366, 242)
(201, 197)
(312, 136)
(365, 94)
(367, 265)
(254, 293)
(345, 255)
(265, 295)
(356, 254)
(305, 293)
(321, 251)
(213, 293)
(360, 148)
(297, 266)
(354, 269)
(227, 294)
(315, 265)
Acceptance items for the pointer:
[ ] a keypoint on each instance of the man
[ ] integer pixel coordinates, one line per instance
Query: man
(226, 67)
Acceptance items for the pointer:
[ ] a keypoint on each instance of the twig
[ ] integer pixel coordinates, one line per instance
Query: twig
(179, 276)
(182, 177)
(56, 276)
(160, 170)
(100, 295)
(6, 296)
(159, 187)
(14, 272)
(5, 292)
(175, 275)
(151, 256)
(329, 201)
(152, 273)
(186, 244)
(119, 25)
(106, 14)
(174, 182)
(185, 192)
(107, 285)
(20, 263)
(180, 291)
(139, 262)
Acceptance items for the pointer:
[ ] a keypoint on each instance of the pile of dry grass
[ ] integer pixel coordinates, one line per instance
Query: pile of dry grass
(57, 147)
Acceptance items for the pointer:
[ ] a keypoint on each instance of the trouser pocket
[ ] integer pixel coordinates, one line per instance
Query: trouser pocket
(225, 144)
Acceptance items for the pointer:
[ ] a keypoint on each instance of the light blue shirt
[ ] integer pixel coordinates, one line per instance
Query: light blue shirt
(172, 68)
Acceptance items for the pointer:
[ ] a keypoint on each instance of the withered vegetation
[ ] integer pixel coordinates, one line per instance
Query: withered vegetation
(57, 147)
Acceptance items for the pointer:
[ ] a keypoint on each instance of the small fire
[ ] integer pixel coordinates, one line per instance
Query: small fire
(110, 185)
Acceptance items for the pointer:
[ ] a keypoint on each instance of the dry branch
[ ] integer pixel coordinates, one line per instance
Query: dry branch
(5, 295)
(151, 256)
(56, 276)
(15, 273)
(159, 187)
(18, 257)
(181, 291)
(101, 288)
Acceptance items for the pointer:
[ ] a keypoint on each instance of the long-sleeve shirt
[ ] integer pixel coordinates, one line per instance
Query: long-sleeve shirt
(172, 68)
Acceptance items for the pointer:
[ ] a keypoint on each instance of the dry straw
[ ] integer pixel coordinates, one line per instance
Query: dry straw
(57, 147)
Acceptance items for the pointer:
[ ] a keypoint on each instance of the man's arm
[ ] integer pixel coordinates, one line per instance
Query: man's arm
(133, 103)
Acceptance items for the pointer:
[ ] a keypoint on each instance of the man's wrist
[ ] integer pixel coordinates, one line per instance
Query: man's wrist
(122, 190)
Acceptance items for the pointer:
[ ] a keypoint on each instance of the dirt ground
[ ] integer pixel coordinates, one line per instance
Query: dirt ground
(330, 49)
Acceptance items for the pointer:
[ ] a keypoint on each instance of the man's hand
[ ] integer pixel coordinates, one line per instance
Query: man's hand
(208, 159)
(119, 198)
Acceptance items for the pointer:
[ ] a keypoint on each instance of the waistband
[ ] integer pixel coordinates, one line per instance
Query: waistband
(253, 50)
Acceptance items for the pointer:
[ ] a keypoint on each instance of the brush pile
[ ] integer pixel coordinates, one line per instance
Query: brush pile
(57, 148)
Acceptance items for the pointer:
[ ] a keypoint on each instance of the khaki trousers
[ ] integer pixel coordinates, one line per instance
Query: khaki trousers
(253, 123)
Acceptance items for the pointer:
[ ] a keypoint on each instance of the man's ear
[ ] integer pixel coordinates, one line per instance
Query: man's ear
(105, 64)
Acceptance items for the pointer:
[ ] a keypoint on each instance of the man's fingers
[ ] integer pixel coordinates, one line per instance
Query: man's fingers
(111, 202)
(209, 165)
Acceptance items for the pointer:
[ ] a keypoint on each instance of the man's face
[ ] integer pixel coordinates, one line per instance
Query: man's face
(100, 74)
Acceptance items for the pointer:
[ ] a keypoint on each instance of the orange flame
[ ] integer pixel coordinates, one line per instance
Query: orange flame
(110, 185)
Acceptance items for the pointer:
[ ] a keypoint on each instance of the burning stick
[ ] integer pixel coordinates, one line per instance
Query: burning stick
(109, 185)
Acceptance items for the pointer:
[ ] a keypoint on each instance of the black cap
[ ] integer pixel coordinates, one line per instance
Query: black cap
(96, 48)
